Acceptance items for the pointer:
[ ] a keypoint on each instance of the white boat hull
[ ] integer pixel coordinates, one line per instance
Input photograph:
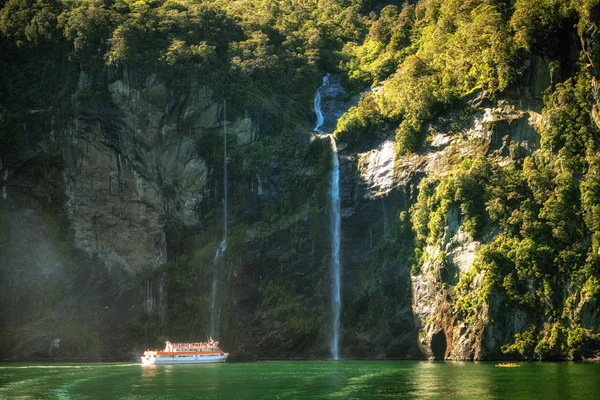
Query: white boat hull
(188, 359)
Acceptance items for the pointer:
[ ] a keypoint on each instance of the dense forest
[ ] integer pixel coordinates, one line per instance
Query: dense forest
(415, 68)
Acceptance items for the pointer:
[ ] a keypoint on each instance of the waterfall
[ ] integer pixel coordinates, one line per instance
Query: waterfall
(219, 258)
(317, 105)
(336, 224)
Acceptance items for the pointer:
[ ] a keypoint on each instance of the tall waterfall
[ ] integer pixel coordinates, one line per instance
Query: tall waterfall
(219, 258)
(336, 224)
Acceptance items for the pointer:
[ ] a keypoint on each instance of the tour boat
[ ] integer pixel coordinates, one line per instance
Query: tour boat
(186, 353)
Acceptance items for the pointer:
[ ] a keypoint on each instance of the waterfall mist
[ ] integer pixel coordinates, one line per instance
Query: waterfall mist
(219, 258)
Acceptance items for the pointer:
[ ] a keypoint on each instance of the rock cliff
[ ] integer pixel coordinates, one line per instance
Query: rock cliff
(110, 220)
(122, 170)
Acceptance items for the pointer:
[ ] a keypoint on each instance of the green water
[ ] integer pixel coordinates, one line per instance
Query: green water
(301, 380)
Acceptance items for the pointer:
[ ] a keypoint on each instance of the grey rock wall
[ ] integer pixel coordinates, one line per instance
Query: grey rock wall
(135, 165)
(128, 166)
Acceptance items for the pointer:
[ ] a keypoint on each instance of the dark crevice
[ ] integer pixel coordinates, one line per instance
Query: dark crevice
(438, 345)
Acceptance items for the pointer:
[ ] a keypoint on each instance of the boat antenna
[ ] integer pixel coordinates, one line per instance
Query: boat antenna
(205, 334)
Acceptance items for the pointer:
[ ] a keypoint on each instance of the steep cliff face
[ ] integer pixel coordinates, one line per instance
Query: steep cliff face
(444, 334)
(281, 291)
(131, 167)
(460, 316)
(130, 192)
(424, 301)
(377, 319)
(123, 203)
(85, 212)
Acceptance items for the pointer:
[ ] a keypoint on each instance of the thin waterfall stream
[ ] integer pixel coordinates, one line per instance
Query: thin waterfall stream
(219, 259)
(336, 224)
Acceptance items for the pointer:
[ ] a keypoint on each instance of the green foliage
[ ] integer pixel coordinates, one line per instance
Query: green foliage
(577, 338)
(29, 21)
(145, 332)
(387, 43)
(523, 344)
(567, 113)
(551, 343)
(545, 206)
(210, 148)
(262, 55)
(409, 95)
(538, 23)
(470, 47)
(278, 223)
(87, 24)
(294, 314)
(425, 56)
(590, 200)
(359, 121)
(462, 189)
(420, 59)
(382, 288)
(591, 288)
(554, 341)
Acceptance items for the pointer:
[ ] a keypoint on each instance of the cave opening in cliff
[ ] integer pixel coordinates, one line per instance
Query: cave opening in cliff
(438, 345)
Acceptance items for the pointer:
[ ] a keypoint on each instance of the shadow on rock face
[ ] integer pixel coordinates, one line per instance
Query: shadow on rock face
(438, 345)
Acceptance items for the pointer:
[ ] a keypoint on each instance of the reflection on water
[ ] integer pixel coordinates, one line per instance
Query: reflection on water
(150, 371)
(453, 379)
(304, 380)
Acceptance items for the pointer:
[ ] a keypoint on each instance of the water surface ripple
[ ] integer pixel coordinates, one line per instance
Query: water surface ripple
(301, 380)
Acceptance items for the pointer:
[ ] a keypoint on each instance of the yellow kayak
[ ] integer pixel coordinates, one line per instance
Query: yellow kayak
(507, 365)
